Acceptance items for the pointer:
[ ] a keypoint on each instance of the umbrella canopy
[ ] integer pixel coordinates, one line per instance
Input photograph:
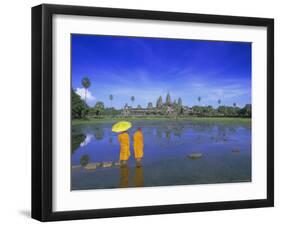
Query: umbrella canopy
(121, 126)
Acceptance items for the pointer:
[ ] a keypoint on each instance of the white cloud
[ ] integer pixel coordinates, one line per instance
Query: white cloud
(87, 140)
(210, 93)
(89, 97)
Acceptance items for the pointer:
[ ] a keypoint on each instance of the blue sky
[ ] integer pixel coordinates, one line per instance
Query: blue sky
(149, 67)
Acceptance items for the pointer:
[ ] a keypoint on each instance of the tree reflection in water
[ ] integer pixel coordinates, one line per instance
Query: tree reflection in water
(178, 130)
(168, 134)
(84, 160)
(98, 133)
(159, 132)
(76, 140)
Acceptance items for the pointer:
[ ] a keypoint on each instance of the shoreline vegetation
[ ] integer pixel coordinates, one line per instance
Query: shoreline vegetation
(162, 109)
(223, 120)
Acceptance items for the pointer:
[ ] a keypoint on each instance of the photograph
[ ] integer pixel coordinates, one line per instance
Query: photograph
(149, 111)
(139, 112)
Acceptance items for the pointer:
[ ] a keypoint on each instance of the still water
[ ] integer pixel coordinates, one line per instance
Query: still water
(224, 148)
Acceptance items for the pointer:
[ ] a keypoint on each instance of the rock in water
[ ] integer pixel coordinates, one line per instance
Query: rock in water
(93, 165)
(76, 167)
(117, 164)
(90, 166)
(195, 155)
(235, 150)
(106, 164)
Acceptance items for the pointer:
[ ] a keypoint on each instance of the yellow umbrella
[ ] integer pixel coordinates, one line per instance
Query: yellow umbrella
(121, 126)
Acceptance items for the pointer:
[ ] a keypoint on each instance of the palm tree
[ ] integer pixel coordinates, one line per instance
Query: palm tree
(111, 98)
(132, 99)
(199, 99)
(219, 101)
(86, 83)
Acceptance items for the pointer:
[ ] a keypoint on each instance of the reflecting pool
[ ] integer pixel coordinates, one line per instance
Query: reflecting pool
(176, 152)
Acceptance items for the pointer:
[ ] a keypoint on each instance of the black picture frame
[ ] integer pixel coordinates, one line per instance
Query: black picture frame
(42, 107)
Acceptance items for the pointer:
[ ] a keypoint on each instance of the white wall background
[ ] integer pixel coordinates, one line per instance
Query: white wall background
(15, 110)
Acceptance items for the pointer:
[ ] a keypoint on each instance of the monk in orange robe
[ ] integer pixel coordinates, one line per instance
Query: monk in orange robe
(138, 145)
(124, 147)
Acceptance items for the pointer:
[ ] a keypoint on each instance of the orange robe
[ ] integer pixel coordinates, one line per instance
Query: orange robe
(138, 144)
(124, 146)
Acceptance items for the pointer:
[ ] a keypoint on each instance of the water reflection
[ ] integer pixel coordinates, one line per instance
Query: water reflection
(175, 130)
(87, 140)
(168, 134)
(125, 173)
(124, 176)
(159, 132)
(76, 140)
(83, 139)
(178, 131)
(217, 133)
(166, 146)
(84, 160)
(139, 179)
(213, 132)
(98, 133)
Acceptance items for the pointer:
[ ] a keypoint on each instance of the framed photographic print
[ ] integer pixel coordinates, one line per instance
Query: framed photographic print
(145, 112)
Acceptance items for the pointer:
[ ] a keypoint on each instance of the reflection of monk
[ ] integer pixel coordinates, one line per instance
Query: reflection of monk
(124, 176)
(138, 145)
(139, 176)
(124, 146)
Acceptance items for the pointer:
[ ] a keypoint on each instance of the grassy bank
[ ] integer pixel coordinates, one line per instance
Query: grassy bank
(230, 120)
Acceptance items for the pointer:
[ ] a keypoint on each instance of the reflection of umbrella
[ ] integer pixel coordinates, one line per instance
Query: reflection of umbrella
(121, 126)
